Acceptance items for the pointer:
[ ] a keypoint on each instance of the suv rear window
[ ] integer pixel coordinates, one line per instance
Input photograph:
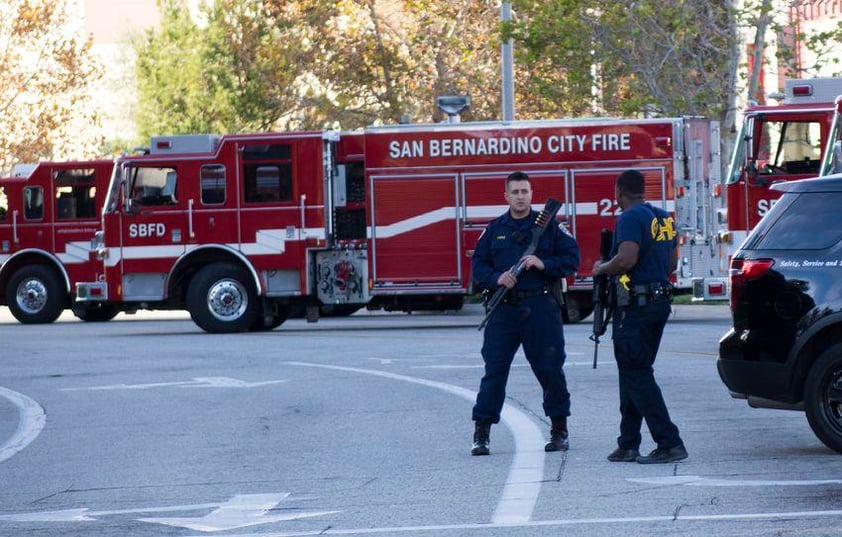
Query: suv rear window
(809, 221)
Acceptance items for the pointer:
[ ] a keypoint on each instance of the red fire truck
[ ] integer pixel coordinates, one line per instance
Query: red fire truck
(241, 230)
(48, 214)
(792, 139)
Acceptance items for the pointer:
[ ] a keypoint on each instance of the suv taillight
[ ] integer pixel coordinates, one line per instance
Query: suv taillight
(744, 270)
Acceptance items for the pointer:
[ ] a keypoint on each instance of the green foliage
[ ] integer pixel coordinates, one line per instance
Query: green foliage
(311, 64)
(171, 91)
(627, 58)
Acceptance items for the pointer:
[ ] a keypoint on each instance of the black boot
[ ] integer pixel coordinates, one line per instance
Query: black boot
(558, 435)
(482, 434)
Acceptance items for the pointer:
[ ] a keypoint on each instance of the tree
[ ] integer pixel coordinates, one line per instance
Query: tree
(171, 96)
(276, 64)
(47, 69)
(377, 61)
(628, 57)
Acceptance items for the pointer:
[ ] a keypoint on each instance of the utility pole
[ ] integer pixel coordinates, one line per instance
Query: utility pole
(507, 68)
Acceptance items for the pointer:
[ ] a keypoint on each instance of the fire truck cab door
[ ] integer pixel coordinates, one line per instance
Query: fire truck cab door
(153, 229)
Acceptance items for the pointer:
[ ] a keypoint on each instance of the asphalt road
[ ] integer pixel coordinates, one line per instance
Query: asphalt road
(146, 426)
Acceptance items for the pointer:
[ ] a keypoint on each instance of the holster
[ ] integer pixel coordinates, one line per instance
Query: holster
(554, 290)
(640, 294)
(622, 294)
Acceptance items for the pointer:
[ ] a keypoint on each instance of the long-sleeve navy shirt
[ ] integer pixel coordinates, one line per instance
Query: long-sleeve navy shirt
(503, 243)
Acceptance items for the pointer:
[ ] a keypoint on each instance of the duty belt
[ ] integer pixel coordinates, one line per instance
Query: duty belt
(652, 289)
(516, 295)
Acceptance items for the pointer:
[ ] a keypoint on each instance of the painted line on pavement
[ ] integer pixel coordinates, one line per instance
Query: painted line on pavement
(671, 519)
(526, 475)
(30, 423)
(699, 481)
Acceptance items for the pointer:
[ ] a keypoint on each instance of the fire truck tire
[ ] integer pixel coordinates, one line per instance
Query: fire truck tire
(277, 320)
(95, 313)
(221, 299)
(36, 295)
(577, 307)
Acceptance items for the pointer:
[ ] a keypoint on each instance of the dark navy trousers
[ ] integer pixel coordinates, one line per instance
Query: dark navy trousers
(637, 332)
(535, 323)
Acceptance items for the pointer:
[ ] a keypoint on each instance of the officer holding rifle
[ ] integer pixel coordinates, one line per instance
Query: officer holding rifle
(529, 315)
(643, 257)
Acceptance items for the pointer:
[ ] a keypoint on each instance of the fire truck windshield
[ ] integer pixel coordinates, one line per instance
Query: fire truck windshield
(789, 147)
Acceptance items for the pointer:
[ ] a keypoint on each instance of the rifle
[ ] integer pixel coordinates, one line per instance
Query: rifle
(602, 294)
(542, 221)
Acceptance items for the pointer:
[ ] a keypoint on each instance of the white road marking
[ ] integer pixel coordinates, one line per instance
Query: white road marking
(698, 481)
(31, 421)
(383, 361)
(83, 514)
(466, 366)
(197, 382)
(481, 366)
(238, 512)
(672, 519)
(526, 474)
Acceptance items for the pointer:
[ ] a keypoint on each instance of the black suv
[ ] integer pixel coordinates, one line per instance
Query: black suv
(785, 349)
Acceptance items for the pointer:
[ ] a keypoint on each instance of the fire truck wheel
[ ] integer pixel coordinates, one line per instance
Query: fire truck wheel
(281, 315)
(577, 307)
(95, 313)
(221, 299)
(35, 295)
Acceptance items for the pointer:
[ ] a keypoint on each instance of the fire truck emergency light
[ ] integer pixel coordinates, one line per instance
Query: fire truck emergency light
(802, 90)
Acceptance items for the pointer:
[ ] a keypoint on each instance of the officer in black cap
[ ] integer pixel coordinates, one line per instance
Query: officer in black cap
(529, 316)
(644, 255)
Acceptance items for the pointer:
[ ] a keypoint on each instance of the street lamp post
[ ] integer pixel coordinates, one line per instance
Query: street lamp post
(507, 68)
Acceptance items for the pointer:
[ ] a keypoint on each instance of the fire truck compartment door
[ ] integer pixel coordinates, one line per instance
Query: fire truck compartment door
(153, 234)
(415, 235)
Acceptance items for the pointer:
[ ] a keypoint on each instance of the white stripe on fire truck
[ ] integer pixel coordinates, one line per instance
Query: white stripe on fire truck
(75, 252)
(273, 241)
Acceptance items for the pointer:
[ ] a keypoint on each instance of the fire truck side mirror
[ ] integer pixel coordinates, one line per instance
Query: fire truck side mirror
(750, 172)
(129, 206)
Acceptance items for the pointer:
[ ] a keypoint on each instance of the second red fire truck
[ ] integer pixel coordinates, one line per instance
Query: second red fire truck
(48, 214)
(796, 138)
(243, 230)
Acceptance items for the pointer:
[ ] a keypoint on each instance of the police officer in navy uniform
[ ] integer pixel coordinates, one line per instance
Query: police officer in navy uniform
(529, 316)
(644, 255)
